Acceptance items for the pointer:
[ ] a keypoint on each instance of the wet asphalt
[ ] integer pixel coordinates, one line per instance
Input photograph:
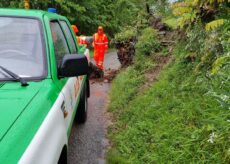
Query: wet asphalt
(88, 143)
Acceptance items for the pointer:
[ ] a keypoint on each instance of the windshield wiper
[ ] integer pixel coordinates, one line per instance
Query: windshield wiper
(15, 76)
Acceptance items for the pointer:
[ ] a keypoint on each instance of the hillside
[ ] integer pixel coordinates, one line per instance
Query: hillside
(181, 113)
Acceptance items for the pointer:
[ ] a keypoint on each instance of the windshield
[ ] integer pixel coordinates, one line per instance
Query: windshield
(21, 48)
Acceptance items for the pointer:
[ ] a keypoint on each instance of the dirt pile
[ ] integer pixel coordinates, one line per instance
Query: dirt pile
(102, 75)
(110, 74)
(126, 51)
(95, 72)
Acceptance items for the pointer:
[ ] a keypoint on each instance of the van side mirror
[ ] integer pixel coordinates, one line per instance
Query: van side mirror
(73, 65)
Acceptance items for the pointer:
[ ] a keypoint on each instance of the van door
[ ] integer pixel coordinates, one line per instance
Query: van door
(66, 85)
(76, 87)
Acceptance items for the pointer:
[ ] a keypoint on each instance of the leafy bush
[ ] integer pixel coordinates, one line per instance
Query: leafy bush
(126, 35)
(148, 42)
(171, 22)
(195, 39)
(142, 21)
(220, 63)
(207, 33)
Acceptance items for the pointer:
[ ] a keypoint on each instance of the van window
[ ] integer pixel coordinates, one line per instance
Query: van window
(60, 44)
(69, 37)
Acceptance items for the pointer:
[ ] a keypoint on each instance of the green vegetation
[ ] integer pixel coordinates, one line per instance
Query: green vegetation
(178, 119)
(171, 22)
(184, 116)
(126, 35)
(114, 15)
(87, 15)
(148, 42)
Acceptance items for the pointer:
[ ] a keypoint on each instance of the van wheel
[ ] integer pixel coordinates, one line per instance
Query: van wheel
(81, 115)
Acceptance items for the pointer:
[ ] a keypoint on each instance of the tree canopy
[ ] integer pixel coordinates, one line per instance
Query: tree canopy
(88, 15)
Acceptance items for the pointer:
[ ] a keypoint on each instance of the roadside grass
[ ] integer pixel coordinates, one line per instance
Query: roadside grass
(127, 85)
(174, 121)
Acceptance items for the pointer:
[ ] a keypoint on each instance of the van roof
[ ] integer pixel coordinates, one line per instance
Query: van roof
(28, 13)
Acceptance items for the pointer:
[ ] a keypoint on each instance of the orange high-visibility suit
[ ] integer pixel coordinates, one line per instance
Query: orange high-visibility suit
(100, 43)
(80, 39)
(75, 30)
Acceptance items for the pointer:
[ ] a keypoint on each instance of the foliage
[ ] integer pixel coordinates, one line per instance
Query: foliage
(203, 22)
(220, 63)
(160, 7)
(195, 41)
(185, 13)
(148, 42)
(184, 117)
(178, 120)
(189, 12)
(220, 75)
(88, 15)
(142, 21)
(171, 22)
(126, 35)
(208, 38)
(214, 24)
(209, 2)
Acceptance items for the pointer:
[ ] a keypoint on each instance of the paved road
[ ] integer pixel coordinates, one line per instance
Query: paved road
(88, 142)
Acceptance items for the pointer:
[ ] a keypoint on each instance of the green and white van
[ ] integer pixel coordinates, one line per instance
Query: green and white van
(43, 86)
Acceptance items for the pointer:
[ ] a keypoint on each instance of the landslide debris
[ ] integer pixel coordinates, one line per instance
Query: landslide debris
(125, 42)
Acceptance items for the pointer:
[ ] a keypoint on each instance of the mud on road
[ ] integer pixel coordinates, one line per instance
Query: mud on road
(88, 142)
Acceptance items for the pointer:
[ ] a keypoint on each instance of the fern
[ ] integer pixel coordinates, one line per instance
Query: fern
(182, 10)
(182, 4)
(209, 2)
(214, 24)
(185, 12)
(220, 63)
(186, 19)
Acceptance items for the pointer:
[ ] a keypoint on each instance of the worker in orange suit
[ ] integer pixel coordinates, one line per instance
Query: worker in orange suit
(75, 30)
(100, 43)
(80, 39)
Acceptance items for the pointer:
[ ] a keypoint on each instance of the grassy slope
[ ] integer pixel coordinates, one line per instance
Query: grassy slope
(171, 122)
